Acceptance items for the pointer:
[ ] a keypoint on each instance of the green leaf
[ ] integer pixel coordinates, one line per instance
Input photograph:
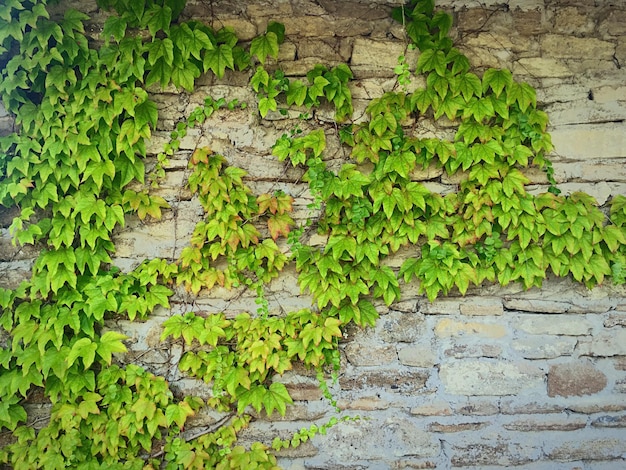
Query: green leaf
(432, 59)
(218, 59)
(85, 349)
(109, 343)
(497, 80)
(523, 94)
(276, 398)
(177, 413)
(264, 46)
(158, 18)
(114, 26)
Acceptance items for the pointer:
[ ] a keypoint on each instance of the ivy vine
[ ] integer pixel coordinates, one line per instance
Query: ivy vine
(72, 169)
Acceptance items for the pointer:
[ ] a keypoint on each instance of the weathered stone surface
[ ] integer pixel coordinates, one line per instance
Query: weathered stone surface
(544, 346)
(528, 405)
(456, 427)
(368, 354)
(451, 328)
(416, 356)
(605, 344)
(461, 351)
(473, 377)
(610, 421)
(434, 408)
(615, 319)
(398, 327)
(440, 307)
(582, 141)
(501, 452)
(482, 306)
(541, 67)
(400, 381)
(364, 404)
(553, 324)
(553, 423)
(555, 45)
(477, 407)
(575, 379)
(586, 445)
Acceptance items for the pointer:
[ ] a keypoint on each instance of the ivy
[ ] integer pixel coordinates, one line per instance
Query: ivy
(75, 171)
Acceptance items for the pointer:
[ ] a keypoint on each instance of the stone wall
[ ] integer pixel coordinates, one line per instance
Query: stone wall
(499, 378)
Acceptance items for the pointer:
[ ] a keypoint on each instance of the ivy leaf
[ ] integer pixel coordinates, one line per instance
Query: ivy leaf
(523, 94)
(276, 398)
(497, 80)
(296, 93)
(278, 29)
(114, 26)
(280, 224)
(265, 45)
(146, 113)
(177, 413)
(109, 343)
(432, 59)
(158, 18)
(218, 59)
(85, 349)
(514, 181)
(161, 49)
(184, 75)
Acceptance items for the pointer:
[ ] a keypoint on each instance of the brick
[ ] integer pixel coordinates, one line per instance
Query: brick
(398, 327)
(472, 377)
(596, 404)
(441, 307)
(400, 381)
(610, 421)
(457, 427)
(483, 306)
(576, 304)
(370, 354)
(434, 408)
(477, 407)
(544, 346)
(553, 423)
(461, 351)
(450, 328)
(598, 170)
(417, 356)
(501, 452)
(605, 344)
(514, 406)
(615, 319)
(541, 67)
(552, 324)
(575, 379)
(364, 404)
(555, 45)
(582, 141)
(585, 445)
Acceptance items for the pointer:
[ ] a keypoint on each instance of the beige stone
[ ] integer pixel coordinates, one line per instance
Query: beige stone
(553, 423)
(544, 347)
(367, 354)
(434, 408)
(575, 379)
(483, 306)
(541, 67)
(451, 328)
(416, 356)
(456, 427)
(584, 141)
(606, 343)
(498, 378)
(552, 325)
(586, 445)
(554, 45)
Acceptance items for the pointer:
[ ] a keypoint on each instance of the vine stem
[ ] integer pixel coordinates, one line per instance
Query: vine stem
(207, 430)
